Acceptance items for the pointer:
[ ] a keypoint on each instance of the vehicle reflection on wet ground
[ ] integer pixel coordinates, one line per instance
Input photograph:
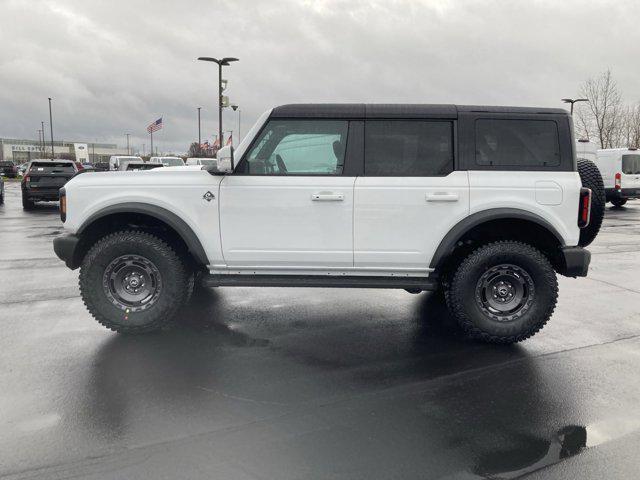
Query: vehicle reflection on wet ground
(314, 383)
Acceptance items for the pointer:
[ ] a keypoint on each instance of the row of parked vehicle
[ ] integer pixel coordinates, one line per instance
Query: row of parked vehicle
(42, 178)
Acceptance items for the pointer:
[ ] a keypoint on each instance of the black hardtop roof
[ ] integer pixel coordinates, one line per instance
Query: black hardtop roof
(49, 160)
(396, 110)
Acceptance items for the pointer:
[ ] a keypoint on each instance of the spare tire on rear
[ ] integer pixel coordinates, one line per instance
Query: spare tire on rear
(591, 178)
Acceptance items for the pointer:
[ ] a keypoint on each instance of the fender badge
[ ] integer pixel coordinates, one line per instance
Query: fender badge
(209, 196)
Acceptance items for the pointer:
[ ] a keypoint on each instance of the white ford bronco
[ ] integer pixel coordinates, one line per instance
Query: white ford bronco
(481, 204)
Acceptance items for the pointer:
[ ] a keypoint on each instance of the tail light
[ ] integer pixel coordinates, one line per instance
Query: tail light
(618, 184)
(27, 178)
(62, 194)
(584, 210)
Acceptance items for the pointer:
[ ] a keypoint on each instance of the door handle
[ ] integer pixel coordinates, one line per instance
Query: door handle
(442, 197)
(327, 197)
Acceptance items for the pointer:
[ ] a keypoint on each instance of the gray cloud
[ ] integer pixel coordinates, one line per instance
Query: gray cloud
(114, 66)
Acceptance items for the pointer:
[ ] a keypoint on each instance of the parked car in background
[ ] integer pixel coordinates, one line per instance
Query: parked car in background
(22, 168)
(1, 190)
(8, 169)
(43, 180)
(88, 167)
(201, 161)
(168, 161)
(135, 166)
(101, 166)
(116, 160)
(620, 170)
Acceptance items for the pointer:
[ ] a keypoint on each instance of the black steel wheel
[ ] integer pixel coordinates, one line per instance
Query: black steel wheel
(503, 292)
(132, 282)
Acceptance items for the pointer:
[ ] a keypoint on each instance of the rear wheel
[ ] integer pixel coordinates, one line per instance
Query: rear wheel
(503, 292)
(618, 202)
(133, 282)
(27, 203)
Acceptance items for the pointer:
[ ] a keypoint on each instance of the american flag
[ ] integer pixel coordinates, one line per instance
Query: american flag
(157, 125)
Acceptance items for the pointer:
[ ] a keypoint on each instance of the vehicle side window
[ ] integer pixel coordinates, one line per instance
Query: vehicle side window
(631, 164)
(517, 143)
(298, 147)
(408, 148)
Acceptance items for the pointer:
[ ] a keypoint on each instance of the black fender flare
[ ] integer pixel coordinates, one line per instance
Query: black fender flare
(450, 240)
(171, 219)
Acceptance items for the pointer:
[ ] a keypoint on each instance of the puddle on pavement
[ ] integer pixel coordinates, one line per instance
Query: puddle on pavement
(540, 453)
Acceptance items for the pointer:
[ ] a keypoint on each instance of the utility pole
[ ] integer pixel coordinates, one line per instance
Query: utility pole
(226, 61)
(44, 147)
(51, 125)
(128, 150)
(199, 135)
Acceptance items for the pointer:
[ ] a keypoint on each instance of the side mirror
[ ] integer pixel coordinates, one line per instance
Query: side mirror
(224, 159)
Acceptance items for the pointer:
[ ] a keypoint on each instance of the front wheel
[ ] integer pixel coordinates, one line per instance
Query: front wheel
(618, 202)
(133, 282)
(503, 292)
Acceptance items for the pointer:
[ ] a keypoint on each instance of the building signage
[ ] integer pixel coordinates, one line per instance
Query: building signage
(26, 148)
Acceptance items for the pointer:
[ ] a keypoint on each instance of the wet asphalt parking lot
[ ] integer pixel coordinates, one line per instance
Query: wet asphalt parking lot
(314, 383)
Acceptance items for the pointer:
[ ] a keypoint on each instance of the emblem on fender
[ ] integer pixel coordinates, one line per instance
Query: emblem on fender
(209, 196)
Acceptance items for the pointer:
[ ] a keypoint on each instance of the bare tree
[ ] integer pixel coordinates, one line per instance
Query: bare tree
(603, 116)
(631, 126)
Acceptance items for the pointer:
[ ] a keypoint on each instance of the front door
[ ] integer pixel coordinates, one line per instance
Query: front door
(409, 197)
(287, 207)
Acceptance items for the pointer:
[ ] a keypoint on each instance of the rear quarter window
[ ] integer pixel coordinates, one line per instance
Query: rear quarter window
(631, 164)
(516, 143)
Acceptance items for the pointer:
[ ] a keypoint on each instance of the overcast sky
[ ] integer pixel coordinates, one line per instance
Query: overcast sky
(114, 66)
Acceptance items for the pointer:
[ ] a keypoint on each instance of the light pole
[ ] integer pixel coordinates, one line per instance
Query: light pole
(221, 63)
(236, 108)
(44, 147)
(574, 100)
(128, 150)
(51, 125)
(199, 134)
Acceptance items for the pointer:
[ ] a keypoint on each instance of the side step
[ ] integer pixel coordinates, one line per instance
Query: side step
(325, 281)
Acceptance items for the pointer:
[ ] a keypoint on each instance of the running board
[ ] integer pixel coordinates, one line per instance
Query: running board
(325, 281)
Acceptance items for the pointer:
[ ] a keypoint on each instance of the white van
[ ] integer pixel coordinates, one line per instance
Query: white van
(201, 161)
(168, 161)
(116, 160)
(620, 170)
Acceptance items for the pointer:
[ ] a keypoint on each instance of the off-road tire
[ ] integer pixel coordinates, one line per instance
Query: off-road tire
(173, 273)
(27, 204)
(591, 178)
(464, 306)
(618, 202)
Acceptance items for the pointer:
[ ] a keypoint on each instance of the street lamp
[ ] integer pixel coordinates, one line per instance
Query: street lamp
(574, 100)
(128, 150)
(221, 63)
(236, 108)
(51, 125)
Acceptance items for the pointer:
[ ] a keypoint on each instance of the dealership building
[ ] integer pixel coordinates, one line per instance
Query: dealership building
(20, 150)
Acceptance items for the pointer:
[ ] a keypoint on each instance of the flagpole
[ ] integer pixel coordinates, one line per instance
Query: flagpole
(151, 142)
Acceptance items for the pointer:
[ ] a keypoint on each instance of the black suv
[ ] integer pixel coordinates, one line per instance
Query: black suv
(43, 179)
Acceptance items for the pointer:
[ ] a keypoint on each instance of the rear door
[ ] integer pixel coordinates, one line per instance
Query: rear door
(409, 197)
(288, 207)
(630, 178)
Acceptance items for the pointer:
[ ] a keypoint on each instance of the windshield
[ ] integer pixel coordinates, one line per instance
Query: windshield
(172, 162)
(631, 164)
(6, 164)
(52, 167)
